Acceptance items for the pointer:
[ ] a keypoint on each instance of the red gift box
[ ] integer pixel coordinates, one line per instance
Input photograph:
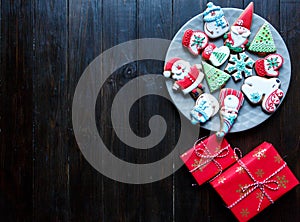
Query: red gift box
(254, 182)
(207, 159)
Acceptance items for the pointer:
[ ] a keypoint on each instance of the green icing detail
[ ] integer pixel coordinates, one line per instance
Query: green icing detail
(215, 78)
(263, 40)
(220, 56)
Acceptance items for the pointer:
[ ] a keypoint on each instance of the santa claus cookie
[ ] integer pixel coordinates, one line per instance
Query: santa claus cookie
(263, 42)
(231, 101)
(239, 65)
(195, 41)
(205, 107)
(237, 38)
(215, 78)
(215, 23)
(188, 78)
(265, 91)
(217, 56)
(269, 66)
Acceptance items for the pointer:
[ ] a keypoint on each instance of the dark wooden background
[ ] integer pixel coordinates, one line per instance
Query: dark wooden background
(46, 45)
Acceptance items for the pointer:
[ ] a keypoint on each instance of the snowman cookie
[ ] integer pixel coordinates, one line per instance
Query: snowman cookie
(194, 41)
(205, 107)
(269, 66)
(263, 42)
(217, 56)
(239, 65)
(231, 101)
(188, 78)
(215, 23)
(265, 91)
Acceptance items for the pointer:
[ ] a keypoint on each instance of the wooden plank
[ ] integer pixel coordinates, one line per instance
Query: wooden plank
(155, 21)
(119, 26)
(16, 110)
(84, 44)
(51, 112)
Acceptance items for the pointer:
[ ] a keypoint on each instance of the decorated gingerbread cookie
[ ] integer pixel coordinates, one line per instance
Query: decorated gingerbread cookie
(217, 56)
(215, 23)
(195, 41)
(263, 42)
(215, 78)
(265, 91)
(239, 65)
(269, 66)
(237, 38)
(188, 78)
(205, 107)
(231, 101)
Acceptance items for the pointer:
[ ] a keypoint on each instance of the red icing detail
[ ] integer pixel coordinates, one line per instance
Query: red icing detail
(245, 18)
(170, 63)
(186, 37)
(260, 67)
(189, 79)
(208, 51)
(273, 100)
(228, 91)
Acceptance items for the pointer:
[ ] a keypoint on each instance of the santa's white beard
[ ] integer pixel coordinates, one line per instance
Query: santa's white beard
(238, 39)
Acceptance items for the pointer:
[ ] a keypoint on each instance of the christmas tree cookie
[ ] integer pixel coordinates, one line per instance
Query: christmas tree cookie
(215, 78)
(263, 42)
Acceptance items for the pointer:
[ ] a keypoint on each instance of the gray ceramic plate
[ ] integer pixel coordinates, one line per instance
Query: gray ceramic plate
(249, 116)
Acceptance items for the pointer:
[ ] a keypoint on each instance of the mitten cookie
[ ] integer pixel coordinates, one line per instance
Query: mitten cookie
(231, 101)
(265, 91)
(263, 42)
(205, 107)
(239, 65)
(215, 23)
(195, 41)
(215, 78)
(269, 66)
(237, 38)
(217, 56)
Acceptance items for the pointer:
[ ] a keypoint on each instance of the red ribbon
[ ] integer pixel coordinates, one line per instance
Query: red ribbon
(206, 154)
(262, 185)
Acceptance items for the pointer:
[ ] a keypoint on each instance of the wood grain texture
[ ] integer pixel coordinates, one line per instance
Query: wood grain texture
(45, 47)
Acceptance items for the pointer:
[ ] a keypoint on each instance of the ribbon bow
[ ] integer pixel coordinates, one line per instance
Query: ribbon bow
(262, 185)
(206, 154)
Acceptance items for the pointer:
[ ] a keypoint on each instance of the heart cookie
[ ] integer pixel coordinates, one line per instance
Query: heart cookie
(269, 66)
(217, 56)
(195, 41)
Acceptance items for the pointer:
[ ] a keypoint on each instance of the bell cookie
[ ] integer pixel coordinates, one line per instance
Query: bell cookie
(194, 41)
(215, 23)
(263, 42)
(269, 66)
(215, 77)
(217, 56)
(265, 91)
(239, 65)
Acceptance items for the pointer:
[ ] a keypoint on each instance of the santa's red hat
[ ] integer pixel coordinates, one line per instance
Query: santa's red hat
(245, 18)
(169, 65)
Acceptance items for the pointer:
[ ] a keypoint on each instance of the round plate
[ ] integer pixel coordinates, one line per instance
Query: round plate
(249, 115)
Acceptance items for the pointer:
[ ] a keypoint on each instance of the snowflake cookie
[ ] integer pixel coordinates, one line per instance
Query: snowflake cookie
(239, 65)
